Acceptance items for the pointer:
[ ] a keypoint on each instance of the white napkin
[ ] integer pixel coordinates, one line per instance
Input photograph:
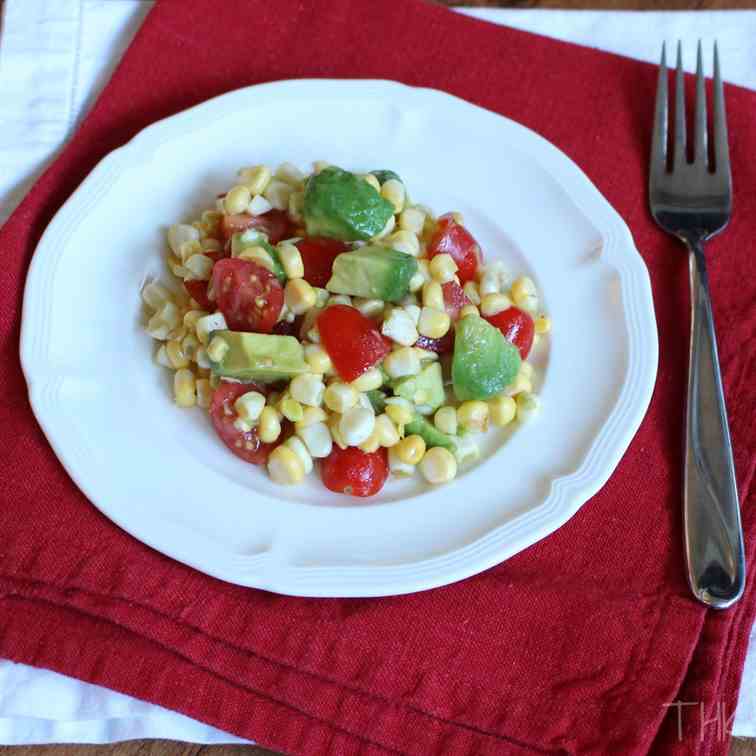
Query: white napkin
(55, 55)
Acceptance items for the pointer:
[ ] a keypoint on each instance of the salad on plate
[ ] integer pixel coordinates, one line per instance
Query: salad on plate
(329, 318)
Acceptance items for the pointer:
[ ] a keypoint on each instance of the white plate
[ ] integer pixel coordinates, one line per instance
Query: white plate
(160, 472)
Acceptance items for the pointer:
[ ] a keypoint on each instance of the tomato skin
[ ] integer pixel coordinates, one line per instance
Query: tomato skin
(318, 254)
(197, 290)
(354, 472)
(352, 341)
(454, 298)
(222, 415)
(452, 239)
(517, 327)
(249, 296)
(274, 223)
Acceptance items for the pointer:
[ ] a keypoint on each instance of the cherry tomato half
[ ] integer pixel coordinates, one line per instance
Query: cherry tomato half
(246, 446)
(354, 472)
(197, 290)
(352, 341)
(454, 298)
(318, 254)
(274, 223)
(452, 239)
(249, 296)
(517, 327)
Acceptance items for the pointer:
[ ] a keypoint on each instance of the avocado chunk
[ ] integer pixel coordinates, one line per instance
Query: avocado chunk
(377, 400)
(253, 238)
(259, 357)
(372, 272)
(384, 175)
(484, 362)
(344, 206)
(427, 387)
(429, 433)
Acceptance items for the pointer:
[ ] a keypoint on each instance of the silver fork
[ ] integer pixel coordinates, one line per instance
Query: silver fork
(693, 201)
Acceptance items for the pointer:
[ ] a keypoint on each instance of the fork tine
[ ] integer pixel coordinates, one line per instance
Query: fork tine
(679, 157)
(700, 155)
(661, 115)
(721, 148)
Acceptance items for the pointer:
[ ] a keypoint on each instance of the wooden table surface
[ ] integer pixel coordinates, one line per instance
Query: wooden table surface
(739, 747)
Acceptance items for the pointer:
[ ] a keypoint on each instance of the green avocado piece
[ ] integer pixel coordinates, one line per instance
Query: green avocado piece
(484, 362)
(427, 387)
(254, 238)
(429, 433)
(259, 357)
(344, 206)
(372, 272)
(384, 175)
(377, 399)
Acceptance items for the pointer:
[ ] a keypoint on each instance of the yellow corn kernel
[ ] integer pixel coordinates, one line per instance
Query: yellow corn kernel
(299, 296)
(175, 354)
(269, 426)
(469, 310)
(493, 304)
(524, 293)
(184, 388)
(445, 420)
(284, 466)
(442, 268)
(190, 345)
(433, 295)
(393, 191)
(204, 392)
(369, 380)
(542, 324)
(217, 348)
(291, 259)
(433, 324)
(310, 416)
(386, 431)
(527, 370)
(403, 241)
(291, 409)
(438, 465)
(502, 410)
(371, 443)
(317, 358)
(410, 450)
(527, 406)
(518, 385)
(191, 318)
(373, 181)
(473, 415)
(256, 178)
(211, 245)
(339, 397)
(400, 410)
(333, 425)
(237, 199)
(412, 219)
(472, 293)
(296, 206)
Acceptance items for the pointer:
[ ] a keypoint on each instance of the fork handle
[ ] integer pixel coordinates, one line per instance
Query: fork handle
(713, 534)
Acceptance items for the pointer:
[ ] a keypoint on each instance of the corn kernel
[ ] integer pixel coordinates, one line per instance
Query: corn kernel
(289, 174)
(518, 385)
(403, 361)
(468, 310)
(258, 205)
(296, 206)
(433, 295)
(308, 389)
(291, 259)
(524, 293)
(204, 392)
(269, 425)
(369, 380)
(317, 439)
(442, 268)
(191, 318)
(161, 357)
(493, 304)
(386, 432)
(278, 193)
(410, 450)
(398, 468)
(298, 447)
(256, 178)
(340, 397)
(211, 245)
(236, 199)
(291, 409)
(438, 465)
(445, 420)
(371, 443)
(403, 241)
(299, 296)
(527, 406)
(175, 354)
(400, 410)
(284, 466)
(527, 370)
(317, 358)
(434, 324)
(310, 416)
(155, 295)
(400, 327)
(502, 410)
(184, 388)
(249, 406)
(412, 219)
(473, 415)
(209, 323)
(542, 324)
(393, 191)
(370, 308)
(333, 426)
(472, 293)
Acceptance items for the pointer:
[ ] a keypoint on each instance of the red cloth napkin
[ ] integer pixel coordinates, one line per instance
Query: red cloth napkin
(577, 645)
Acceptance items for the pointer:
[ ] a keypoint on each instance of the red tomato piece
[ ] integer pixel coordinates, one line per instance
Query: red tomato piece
(517, 327)
(249, 296)
(444, 345)
(452, 239)
(352, 341)
(353, 472)
(318, 254)
(197, 290)
(454, 298)
(246, 446)
(275, 223)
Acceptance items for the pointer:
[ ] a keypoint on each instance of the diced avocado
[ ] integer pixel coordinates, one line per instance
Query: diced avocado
(259, 357)
(378, 400)
(484, 362)
(426, 388)
(429, 433)
(372, 272)
(342, 205)
(384, 175)
(253, 238)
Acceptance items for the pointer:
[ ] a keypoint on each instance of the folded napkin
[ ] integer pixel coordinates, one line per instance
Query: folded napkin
(582, 643)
